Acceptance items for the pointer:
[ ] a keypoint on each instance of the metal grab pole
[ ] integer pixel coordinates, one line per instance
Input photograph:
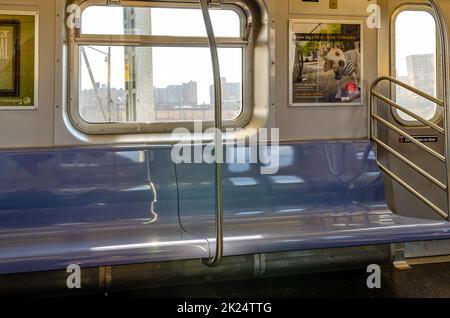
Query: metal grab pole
(218, 125)
(441, 10)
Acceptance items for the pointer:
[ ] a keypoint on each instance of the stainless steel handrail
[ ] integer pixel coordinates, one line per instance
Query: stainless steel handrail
(401, 132)
(218, 125)
(408, 87)
(409, 113)
(410, 163)
(375, 118)
(413, 191)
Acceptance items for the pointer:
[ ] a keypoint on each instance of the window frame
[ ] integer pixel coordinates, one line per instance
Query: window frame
(438, 114)
(77, 40)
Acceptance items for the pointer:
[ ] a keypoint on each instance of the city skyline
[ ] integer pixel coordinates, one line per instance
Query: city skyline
(174, 100)
(230, 91)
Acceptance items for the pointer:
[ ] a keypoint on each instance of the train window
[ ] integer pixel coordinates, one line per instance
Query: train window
(139, 68)
(157, 84)
(416, 48)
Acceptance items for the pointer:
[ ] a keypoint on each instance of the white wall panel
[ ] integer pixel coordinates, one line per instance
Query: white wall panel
(345, 7)
(37, 128)
(333, 122)
(34, 128)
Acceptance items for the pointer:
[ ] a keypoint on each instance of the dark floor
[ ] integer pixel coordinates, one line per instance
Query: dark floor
(422, 281)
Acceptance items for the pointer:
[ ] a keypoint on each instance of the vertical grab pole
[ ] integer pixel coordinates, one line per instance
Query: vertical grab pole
(218, 125)
(442, 19)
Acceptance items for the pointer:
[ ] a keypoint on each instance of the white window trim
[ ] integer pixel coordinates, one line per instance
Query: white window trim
(438, 115)
(76, 40)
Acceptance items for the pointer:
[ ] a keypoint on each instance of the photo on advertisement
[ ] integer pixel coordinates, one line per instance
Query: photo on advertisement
(325, 63)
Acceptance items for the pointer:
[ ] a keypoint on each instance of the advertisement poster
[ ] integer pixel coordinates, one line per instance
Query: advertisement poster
(325, 64)
(9, 58)
(18, 60)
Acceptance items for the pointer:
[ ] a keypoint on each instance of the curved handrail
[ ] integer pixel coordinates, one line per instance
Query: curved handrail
(408, 87)
(218, 125)
(374, 117)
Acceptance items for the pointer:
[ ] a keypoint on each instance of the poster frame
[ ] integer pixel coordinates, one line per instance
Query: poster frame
(35, 105)
(15, 58)
(291, 52)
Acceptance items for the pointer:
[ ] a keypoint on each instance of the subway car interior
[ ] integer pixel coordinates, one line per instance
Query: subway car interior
(148, 146)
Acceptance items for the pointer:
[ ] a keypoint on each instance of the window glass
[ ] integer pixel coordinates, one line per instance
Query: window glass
(415, 61)
(158, 22)
(156, 84)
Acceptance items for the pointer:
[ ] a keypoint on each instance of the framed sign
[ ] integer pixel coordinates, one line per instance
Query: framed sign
(9, 58)
(19, 60)
(325, 63)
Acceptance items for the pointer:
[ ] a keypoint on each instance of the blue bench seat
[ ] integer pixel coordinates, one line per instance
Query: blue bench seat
(93, 206)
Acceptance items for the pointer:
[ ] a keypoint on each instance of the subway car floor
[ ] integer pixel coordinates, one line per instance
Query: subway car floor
(422, 281)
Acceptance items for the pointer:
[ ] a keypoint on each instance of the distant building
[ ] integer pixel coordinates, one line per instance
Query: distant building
(176, 96)
(231, 93)
(95, 108)
(139, 68)
(161, 98)
(422, 72)
(189, 92)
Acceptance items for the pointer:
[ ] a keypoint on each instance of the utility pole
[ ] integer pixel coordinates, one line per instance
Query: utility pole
(109, 84)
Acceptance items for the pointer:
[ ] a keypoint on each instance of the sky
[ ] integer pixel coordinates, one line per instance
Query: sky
(171, 66)
(415, 34)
